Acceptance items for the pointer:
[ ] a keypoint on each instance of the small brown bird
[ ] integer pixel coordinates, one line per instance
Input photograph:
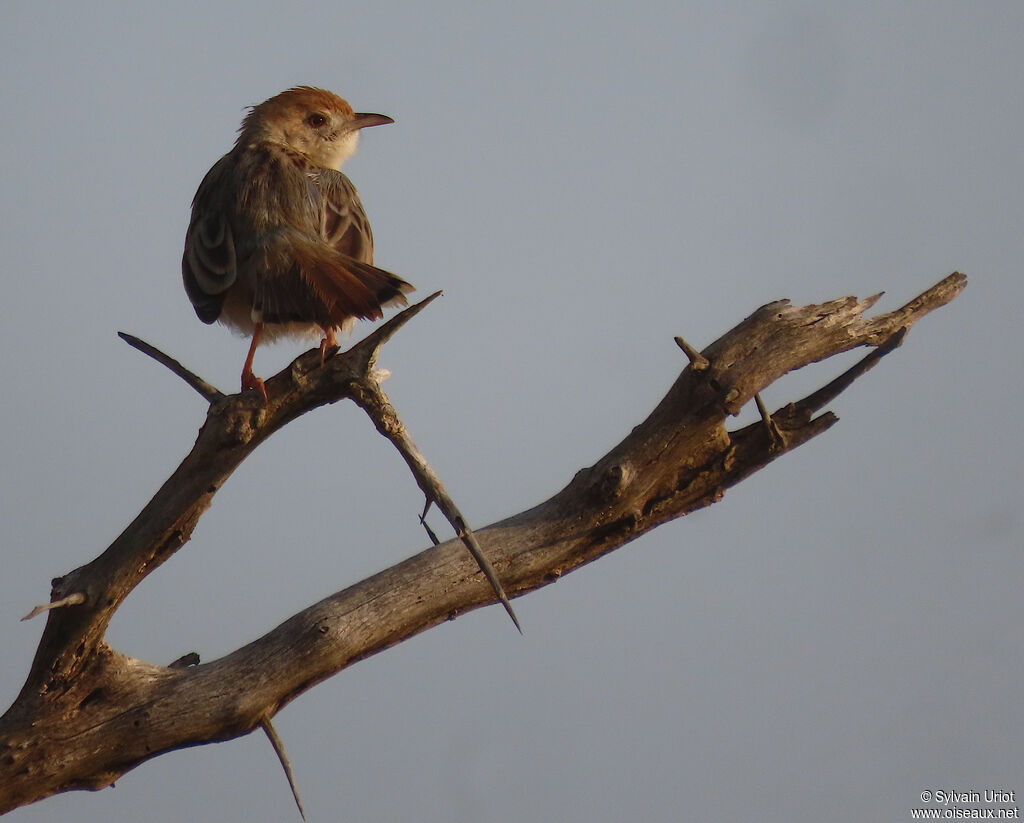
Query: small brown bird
(278, 243)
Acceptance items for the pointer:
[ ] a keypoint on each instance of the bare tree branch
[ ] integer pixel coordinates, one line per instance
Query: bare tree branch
(375, 403)
(88, 714)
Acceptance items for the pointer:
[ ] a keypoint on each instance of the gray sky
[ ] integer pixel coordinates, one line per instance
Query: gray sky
(839, 634)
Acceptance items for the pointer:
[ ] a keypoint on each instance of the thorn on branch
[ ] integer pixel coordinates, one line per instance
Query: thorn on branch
(208, 392)
(729, 397)
(377, 406)
(698, 362)
(71, 600)
(778, 441)
(430, 532)
(370, 345)
(423, 522)
(275, 741)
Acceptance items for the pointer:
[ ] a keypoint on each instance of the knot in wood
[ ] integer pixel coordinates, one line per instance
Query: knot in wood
(611, 481)
(239, 420)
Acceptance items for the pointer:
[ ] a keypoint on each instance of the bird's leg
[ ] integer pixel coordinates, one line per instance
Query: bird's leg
(250, 380)
(329, 342)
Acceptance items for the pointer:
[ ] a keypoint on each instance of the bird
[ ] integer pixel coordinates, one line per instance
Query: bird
(278, 243)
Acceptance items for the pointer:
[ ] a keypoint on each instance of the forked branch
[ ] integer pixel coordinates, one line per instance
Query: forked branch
(87, 714)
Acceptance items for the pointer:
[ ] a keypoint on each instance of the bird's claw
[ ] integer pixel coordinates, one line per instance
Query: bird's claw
(251, 381)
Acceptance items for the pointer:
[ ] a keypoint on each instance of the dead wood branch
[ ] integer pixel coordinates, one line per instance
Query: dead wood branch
(88, 714)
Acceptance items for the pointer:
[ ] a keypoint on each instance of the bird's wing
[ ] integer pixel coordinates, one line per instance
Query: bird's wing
(209, 264)
(343, 222)
(338, 265)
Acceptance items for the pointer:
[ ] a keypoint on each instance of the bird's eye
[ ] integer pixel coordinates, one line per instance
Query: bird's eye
(316, 120)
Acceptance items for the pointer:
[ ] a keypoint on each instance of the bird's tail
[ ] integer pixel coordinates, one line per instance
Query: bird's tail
(344, 288)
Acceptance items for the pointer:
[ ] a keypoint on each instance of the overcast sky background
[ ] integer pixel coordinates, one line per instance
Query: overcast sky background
(842, 632)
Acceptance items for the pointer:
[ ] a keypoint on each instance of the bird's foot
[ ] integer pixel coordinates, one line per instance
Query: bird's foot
(329, 342)
(251, 381)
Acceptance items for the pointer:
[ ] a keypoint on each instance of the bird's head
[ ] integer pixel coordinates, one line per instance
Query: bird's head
(315, 122)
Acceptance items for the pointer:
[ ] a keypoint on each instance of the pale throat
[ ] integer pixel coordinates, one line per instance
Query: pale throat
(338, 151)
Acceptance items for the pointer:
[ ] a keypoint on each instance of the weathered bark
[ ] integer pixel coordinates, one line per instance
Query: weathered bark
(87, 714)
